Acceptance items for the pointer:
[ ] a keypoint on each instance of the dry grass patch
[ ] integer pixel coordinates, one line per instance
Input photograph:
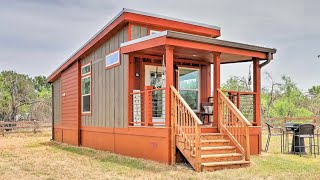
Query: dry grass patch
(33, 156)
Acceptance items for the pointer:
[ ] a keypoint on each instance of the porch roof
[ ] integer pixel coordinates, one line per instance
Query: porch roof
(195, 47)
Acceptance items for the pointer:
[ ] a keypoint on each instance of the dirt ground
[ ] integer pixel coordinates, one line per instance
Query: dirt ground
(33, 156)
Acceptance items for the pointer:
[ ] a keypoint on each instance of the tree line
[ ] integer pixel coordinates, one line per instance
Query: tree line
(23, 97)
(281, 99)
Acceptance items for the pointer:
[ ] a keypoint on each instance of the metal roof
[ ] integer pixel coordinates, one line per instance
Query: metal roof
(201, 39)
(136, 12)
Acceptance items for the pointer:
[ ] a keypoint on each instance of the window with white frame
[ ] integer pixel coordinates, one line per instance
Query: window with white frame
(189, 86)
(86, 88)
(112, 59)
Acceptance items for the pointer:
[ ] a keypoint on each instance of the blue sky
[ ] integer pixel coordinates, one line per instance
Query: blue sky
(37, 36)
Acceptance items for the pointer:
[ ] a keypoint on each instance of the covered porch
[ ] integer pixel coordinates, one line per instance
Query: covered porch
(170, 78)
(184, 61)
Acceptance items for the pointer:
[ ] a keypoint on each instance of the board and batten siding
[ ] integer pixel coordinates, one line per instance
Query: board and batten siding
(138, 31)
(109, 86)
(57, 101)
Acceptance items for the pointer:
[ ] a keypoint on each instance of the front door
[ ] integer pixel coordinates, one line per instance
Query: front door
(154, 77)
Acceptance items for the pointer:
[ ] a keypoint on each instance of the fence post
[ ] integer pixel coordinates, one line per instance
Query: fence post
(148, 104)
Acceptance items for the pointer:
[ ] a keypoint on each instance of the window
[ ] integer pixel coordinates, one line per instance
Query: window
(113, 59)
(86, 88)
(189, 86)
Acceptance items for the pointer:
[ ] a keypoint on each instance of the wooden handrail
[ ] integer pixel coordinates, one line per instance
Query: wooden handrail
(186, 126)
(239, 92)
(186, 105)
(234, 108)
(233, 122)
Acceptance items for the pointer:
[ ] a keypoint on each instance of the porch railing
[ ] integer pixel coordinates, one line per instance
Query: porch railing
(244, 101)
(187, 126)
(147, 107)
(233, 122)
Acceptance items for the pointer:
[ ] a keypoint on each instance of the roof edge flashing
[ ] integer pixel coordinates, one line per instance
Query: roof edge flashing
(171, 18)
(144, 38)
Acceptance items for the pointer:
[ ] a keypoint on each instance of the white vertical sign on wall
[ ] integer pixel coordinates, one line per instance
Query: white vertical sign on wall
(136, 99)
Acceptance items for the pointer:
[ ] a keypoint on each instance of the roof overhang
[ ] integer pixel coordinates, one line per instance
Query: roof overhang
(136, 17)
(196, 47)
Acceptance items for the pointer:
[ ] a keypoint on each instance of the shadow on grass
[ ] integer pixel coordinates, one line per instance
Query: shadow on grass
(107, 158)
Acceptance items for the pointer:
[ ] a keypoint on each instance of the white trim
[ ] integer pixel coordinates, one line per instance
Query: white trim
(82, 95)
(199, 84)
(89, 64)
(153, 32)
(105, 59)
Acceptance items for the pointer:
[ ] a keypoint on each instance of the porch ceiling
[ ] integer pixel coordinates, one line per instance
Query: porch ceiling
(193, 54)
(193, 47)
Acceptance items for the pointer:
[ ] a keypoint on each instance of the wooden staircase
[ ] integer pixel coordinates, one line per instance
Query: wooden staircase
(218, 153)
(210, 151)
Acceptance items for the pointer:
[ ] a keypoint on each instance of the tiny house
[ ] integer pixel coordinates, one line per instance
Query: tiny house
(141, 87)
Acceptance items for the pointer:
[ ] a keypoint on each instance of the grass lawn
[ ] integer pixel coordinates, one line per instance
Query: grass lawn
(29, 156)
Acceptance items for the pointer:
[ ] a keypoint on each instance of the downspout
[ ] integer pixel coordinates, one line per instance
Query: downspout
(269, 57)
(52, 105)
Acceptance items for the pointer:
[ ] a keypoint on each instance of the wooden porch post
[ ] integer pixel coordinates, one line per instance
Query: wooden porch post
(257, 90)
(216, 86)
(169, 82)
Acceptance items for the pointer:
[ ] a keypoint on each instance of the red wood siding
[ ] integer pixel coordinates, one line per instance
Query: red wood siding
(70, 104)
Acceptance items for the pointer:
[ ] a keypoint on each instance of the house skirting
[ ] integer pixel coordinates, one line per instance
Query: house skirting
(150, 143)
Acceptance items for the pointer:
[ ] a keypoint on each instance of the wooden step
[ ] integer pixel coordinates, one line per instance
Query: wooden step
(217, 150)
(221, 157)
(211, 136)
(215, 142)
(212, 166)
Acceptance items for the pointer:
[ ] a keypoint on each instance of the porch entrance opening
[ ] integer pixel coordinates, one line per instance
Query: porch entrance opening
(155, 77)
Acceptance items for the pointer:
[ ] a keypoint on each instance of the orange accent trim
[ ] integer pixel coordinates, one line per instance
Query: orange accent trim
(163, 40)
(129, 31)
(88, 47)
(169, 81)
(257, 90)
(216, 86)
(141, 142)
(214, 48)
(144, 45)
(79, 98)
(80, 89)
(173, 25)
(131, 71)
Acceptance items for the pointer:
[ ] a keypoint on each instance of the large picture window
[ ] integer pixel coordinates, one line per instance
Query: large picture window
(86, 88)
(189, 86)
